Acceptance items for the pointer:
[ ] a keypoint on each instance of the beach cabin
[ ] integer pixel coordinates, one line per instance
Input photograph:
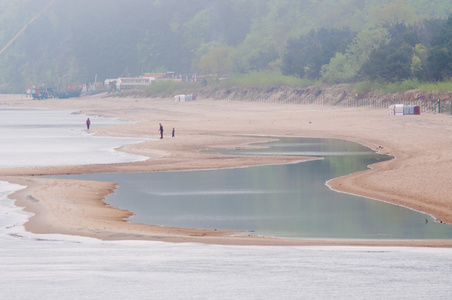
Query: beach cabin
(400, 109)
(179, 98)
(183, 98)
(396, 109)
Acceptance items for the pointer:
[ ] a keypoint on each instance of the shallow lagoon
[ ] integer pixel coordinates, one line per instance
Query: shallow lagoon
(282, 200)
(70, 267)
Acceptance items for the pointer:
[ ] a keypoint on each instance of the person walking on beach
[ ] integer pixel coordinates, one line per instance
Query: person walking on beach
(172, 134)
(161, 130)
(88, 123)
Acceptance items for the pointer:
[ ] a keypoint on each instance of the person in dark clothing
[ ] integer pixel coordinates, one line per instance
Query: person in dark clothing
(173, 133)
(161, 130)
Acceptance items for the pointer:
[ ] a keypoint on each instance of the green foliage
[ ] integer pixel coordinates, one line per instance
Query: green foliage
(75, 41)
(389, 63)
(439, 60)
(393, 61)
(345, 67)
(436, 86)
(418, 61)
(217, 61)
(259, 80)
(167, 87)
(306, 55)
(362, 88)
(400, 86)
(392, 14)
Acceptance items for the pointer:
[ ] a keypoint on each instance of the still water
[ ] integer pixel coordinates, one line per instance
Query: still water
(41, 137)
(283, 200)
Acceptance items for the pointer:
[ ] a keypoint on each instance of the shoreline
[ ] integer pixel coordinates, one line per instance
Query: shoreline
(218, 124)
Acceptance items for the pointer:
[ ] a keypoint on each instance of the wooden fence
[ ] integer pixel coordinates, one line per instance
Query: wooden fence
(433, 106)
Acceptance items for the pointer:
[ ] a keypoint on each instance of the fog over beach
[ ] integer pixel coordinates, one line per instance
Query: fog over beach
(225, 149)
(47, 264)
(417, 178)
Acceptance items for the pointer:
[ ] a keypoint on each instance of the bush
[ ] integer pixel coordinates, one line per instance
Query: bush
(365, 87)
(436, 86)
(259, 80)
(400, 87)
(167, 87)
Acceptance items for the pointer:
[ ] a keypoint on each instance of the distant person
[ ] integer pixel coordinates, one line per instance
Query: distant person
(161, 130)
(88, 123)
(172, 134)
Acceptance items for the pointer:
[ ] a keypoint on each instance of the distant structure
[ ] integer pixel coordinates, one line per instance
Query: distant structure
(155, 75)
(127, 83)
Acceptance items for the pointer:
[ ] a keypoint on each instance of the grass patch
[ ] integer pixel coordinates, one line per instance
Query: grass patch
(167, 87)
(162, 88)
(362, 88)
(259, 80)
(400, 86)
(436, 86)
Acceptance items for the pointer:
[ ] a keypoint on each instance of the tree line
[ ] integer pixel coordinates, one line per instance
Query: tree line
(80, 41)
(397, 52)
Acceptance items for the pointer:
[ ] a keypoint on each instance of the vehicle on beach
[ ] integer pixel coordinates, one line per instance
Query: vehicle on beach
(45, 93)
(69, 94)
(51, 93)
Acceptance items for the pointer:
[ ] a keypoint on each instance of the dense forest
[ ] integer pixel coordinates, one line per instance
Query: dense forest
(59, 42)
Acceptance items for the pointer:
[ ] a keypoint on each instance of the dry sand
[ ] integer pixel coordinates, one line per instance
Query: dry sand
(419, 177)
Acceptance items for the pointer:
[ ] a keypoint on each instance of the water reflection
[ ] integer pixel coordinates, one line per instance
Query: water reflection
(284, 201)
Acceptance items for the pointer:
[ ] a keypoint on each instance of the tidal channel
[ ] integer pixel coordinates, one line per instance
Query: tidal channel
(291, 201)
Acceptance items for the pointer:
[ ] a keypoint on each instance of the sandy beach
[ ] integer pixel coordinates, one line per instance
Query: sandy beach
(419, 177)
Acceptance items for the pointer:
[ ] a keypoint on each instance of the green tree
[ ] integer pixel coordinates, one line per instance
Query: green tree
(393, 61)
(418, 61)
(439, 61)
(392, 14)
(217, 61)
(345, 67)
(306, 55)
(389, 62)
(75, 40)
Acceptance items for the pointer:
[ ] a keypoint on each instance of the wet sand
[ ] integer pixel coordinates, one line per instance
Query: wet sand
(419, 177)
